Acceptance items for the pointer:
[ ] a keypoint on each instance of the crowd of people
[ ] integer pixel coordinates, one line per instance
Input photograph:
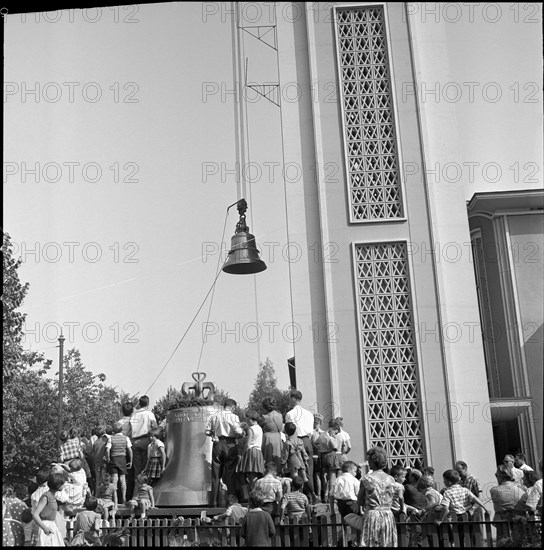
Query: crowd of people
(116, 465)
(267, 468)
(287, 466)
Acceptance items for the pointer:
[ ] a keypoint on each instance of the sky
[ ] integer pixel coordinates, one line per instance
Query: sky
(119, 157)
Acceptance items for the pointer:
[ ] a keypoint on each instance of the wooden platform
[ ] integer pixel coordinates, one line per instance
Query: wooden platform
(168, 511)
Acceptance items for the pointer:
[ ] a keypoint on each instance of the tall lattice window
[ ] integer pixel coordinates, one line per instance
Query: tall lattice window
(386, 328)
(368, 118)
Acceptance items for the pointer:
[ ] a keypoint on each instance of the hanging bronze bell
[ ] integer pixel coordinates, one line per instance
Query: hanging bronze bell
(243, 258)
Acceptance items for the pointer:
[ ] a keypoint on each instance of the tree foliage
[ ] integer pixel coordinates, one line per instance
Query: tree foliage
(31, 394)
(87, 400)
(30, 420)
(12, 320)
(266, 385)
(174, 399)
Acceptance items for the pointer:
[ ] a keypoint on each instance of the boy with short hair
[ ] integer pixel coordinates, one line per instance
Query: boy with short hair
(271, 488)
(234, 510)
(294, 457)
(99, 455)
(398, 473)
(456, 498)
(295, 503)
(346, 489)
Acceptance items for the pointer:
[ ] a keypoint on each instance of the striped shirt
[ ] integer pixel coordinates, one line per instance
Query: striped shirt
(294, 503)
(458, 499)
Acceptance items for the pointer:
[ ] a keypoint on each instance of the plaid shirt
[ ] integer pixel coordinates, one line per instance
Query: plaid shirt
(70, 449)
(458, 499)
(472, 484)
(271, 487)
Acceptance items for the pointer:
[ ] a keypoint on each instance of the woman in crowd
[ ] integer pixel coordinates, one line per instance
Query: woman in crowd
(508, 499)
(12, 513)
(375, 498)
(272, 425)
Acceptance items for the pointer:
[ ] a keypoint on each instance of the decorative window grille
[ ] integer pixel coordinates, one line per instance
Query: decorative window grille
(368, 116)
(386, 328)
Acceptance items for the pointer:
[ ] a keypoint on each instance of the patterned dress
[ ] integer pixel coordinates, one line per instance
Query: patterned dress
(272, 425)
(376, 495)
(12, 525)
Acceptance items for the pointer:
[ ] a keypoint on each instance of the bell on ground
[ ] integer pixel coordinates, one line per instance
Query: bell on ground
(243, 256)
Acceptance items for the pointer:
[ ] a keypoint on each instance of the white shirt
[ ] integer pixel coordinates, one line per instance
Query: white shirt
(303, 420)
(255, 437)
(224, 424)
(346, 487)
(342, 440)
(535, 494)
(142, 422)
(518, 476)
(526, 468)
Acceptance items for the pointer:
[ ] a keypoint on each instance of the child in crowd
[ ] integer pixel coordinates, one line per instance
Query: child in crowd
(143, 496)
(295, 503)
(346, 489)
(343, 440)
(271, 488)
(294, 456)
(45, 514)
(398, 473)
(76, 485)
(156, 457)
(99, 455)
(429, 472)
(456, 498)
(28, 526)
(75, 434)
(69, 446)
(257, 525)
(86, 520)
(107, 496)
(234, 510)
(324, 444)
(434, 499)
(251, 463)
(331, 460)
(318, 474)
(119, 457)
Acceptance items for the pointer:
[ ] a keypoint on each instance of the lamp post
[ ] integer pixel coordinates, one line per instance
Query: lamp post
(61, 364)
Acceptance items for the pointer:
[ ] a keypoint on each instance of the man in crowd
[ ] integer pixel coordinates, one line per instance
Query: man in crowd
(304, 421)
(508, 461)
(224, 427)
(142, 422)
(521, 464)
(467, 481)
